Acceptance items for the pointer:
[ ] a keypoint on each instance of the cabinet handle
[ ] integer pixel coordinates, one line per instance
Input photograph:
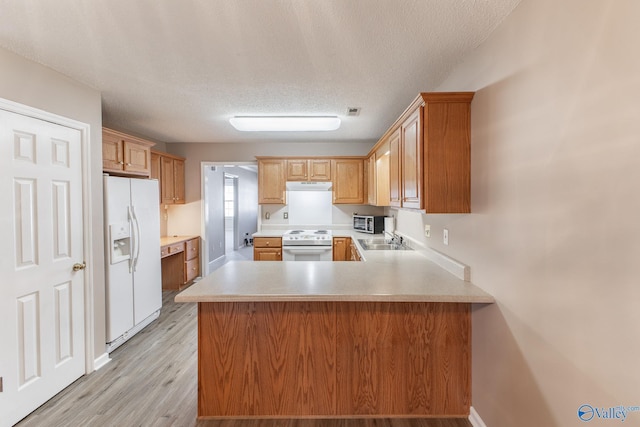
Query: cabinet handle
(121, 163)
(267, 243)
(128, 164)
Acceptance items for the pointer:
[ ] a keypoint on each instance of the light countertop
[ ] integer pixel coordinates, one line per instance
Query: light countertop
(394, 276)
(170, 240)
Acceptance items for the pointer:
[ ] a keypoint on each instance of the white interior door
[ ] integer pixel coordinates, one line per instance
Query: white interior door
(42, 346)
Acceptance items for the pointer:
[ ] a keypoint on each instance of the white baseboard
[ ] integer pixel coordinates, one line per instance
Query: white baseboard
(101, 361)
(475, 419)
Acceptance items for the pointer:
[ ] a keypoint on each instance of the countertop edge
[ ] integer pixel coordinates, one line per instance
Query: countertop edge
(337, 298)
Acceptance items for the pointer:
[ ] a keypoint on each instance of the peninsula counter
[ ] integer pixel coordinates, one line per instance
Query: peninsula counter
(384, 338)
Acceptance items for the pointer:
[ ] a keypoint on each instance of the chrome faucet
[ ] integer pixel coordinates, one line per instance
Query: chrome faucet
(395, 239)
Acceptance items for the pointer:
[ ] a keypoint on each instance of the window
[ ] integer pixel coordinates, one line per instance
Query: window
(229, 191)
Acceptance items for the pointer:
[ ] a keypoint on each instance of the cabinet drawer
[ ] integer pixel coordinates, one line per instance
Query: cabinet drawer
(267, 242)
(175, 248)
(267, 254)
(164, 251)
(192, 268)
(193, 249)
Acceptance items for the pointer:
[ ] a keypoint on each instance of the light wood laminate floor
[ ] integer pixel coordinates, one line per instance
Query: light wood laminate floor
(152, 381)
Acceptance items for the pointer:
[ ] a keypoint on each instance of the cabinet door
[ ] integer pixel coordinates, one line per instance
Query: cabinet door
(178, 181)
(340, 245)
(271, 181)
(411, 160)
(137, 158)
(192, 249)
(382, 179)
(354, 255)
(348, 182)
(155, 166)
(394, 170)
(267, 254)
(112, 160)
(167, 179)
(320, 170)
(371, 180)
(191, 270)
(296, 170)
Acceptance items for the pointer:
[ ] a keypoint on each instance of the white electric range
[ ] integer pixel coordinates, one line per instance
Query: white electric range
(307, 245)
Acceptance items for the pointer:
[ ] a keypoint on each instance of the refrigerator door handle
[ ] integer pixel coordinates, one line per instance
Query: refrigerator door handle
(137, 238)
(133, 239)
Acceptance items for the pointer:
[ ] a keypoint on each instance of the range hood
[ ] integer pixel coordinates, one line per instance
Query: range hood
(308, 186)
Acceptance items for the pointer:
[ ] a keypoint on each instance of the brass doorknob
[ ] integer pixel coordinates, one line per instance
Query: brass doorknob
(78, 267)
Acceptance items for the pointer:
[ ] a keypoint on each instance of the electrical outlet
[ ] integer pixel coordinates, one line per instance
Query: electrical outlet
(445, 236)
(427, 231)
(286, 215)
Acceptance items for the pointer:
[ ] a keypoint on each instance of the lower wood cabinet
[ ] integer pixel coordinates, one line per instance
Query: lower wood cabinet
(334, 359)
(354, 255)
(340, 248)
(267, 249)
(345, 249)
(180, 263)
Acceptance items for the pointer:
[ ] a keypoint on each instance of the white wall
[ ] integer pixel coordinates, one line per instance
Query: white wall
(554, 232)
(31, 84)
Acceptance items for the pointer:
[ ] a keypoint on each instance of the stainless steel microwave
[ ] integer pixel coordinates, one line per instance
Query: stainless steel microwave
(368, 223)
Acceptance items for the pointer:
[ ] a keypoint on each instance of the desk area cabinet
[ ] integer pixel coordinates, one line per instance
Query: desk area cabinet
(180, 261)
(169, 171)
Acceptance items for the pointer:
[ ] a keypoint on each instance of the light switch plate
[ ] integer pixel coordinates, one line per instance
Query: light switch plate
(445, 236)
(427, 231)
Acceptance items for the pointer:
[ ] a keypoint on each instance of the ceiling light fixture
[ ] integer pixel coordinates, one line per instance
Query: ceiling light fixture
(285, 123)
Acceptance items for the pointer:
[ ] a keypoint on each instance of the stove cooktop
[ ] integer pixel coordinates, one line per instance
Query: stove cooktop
(307, 238)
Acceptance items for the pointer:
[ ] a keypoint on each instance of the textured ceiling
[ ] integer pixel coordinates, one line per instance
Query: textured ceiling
(177, 70)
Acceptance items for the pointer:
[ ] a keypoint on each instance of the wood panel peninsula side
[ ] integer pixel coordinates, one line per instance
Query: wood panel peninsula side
(334, 340)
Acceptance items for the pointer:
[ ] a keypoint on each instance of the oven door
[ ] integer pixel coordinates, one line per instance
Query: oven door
(307, 253)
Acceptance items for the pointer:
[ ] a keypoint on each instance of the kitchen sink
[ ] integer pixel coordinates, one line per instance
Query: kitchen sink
(382, 245)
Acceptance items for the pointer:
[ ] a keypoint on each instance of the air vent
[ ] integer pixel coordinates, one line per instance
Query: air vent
(353, 111)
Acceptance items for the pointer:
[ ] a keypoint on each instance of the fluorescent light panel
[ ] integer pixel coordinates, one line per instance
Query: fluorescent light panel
(285, 123)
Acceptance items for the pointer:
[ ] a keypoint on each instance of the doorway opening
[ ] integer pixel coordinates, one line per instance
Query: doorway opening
(230, 212)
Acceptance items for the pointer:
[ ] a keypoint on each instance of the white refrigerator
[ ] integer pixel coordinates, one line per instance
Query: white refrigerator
(133, 271)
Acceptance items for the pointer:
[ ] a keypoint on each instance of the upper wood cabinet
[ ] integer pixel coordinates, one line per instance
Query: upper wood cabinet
(124, 154)
(411, 161)
(271, 181)
(347, 175)
(308, 169)
(169, 171)
(395, 186)
(348, 181)
(430, 154)
(371, 178)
